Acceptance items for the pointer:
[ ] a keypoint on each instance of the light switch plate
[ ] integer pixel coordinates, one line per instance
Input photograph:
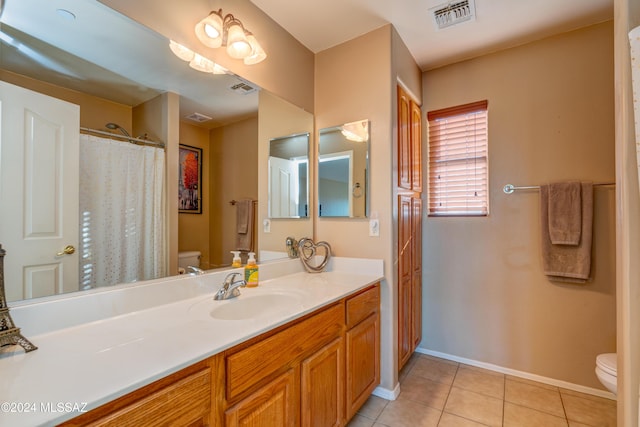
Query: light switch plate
(374, 228)
(266, 225)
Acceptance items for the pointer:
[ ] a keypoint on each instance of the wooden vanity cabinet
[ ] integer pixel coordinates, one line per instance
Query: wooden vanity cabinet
(309, 354)
(363, 348)
(180, 399)
(317, 371)
(314, 371)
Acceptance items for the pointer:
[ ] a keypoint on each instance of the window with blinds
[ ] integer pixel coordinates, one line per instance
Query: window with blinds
(458, 161)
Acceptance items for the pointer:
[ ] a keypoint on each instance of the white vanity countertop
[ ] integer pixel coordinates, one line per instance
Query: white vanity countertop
(83, 366)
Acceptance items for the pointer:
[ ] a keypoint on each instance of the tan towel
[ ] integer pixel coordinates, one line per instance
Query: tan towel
(565, 213)
(244, 225)
(567, 263)
(243, 208)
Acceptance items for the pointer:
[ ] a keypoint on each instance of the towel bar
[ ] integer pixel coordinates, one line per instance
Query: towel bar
(233, 202)
(510, 188)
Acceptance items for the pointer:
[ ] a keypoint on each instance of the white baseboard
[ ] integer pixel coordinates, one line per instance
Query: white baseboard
(385, 393)
(520, 374)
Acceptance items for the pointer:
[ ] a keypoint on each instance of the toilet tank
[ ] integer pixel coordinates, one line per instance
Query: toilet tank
(188, 258)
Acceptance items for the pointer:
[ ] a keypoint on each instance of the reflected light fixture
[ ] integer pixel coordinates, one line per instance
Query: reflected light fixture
(217, 30)
(356, 131)
(196, 61)
(181, 52)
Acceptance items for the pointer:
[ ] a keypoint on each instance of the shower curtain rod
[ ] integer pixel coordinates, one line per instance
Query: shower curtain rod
(124, 137)
(510, 188)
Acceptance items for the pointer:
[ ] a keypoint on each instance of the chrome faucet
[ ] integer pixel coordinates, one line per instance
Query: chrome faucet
(230, 287)
(194, 271)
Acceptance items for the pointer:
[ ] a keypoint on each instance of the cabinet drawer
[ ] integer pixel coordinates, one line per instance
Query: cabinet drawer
(359, 307)
(186, 402)
(276, 353)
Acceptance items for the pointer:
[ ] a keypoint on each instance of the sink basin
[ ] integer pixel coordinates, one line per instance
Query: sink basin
(247, 307)
(255, 306)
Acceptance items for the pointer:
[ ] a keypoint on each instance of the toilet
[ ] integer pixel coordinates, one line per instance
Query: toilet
(607, 371)
(188, 258)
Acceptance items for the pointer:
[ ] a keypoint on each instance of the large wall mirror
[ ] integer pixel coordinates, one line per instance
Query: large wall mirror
(84, 55)
(289, 176)
(343, 170)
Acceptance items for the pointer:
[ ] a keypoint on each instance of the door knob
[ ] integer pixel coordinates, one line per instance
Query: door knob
(68, 250)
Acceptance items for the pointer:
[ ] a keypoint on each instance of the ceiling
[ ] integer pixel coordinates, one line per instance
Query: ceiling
(499, 24)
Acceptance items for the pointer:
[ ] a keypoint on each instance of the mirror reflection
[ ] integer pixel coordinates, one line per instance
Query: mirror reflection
(289, 176)
(343, 170)
(149, 94)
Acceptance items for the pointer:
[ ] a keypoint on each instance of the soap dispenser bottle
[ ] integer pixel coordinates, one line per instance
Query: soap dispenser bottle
(237, 262)
(251, 271)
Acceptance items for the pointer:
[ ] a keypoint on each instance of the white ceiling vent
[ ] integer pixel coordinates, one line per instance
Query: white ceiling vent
(197, 117)
(455, 12)
(243, 86)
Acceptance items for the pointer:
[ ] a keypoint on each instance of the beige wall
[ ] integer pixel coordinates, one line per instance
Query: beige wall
(234, 176)
(193, 229)
(485, 297)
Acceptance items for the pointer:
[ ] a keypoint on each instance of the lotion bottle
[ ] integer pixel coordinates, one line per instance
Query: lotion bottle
(251, 271)
(237, 262)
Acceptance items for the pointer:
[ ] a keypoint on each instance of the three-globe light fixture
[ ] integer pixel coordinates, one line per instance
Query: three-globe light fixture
(218, 30)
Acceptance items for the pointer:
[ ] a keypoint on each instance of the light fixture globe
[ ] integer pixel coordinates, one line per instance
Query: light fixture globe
(257, 53)
(219, 69)
(203, 64)
(209, 31)
(238, 46)
(180, 51)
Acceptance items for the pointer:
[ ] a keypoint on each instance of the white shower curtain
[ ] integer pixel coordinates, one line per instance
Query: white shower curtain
(122, 228)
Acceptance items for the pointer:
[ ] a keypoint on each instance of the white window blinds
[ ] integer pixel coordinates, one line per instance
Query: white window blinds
(458, 161)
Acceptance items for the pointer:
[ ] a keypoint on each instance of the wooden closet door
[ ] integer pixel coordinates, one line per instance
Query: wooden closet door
(404, 140)
(405, 308)
(416, 147)
(416, 269)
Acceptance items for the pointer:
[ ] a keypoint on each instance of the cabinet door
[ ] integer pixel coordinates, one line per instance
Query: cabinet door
(416, 268)
(363, 362)
(416, 147)
(322, 391)
(273, 405)
(404, 140)
(405, 249)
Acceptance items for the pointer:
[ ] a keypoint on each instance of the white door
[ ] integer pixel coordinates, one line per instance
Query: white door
(38, 192)
(283, 188)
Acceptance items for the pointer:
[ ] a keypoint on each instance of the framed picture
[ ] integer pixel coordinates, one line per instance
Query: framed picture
(190, 180)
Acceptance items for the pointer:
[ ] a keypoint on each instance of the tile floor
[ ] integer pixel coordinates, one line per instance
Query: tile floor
(440, 393)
